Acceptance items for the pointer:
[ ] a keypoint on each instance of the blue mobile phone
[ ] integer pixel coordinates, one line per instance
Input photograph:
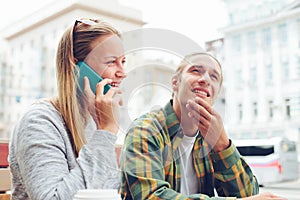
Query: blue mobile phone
(94, 78)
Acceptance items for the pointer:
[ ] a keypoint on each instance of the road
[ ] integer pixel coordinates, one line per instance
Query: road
(290, 194)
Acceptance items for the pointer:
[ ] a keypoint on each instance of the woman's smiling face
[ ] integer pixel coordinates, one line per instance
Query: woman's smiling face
(107, 58)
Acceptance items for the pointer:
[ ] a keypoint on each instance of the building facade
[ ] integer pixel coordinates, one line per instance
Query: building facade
(27, 59)
(261, 62)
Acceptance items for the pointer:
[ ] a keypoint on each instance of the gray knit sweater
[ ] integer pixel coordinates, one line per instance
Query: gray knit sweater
(42, 161)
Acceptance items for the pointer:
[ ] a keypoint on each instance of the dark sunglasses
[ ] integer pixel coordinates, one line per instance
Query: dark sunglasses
(85, 21)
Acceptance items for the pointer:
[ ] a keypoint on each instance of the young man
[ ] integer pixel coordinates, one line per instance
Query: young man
(182, 150)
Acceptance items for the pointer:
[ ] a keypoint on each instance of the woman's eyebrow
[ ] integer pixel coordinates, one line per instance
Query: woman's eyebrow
(115, 57)
(110, 57)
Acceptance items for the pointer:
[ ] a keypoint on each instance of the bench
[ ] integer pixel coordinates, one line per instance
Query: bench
(5, 183)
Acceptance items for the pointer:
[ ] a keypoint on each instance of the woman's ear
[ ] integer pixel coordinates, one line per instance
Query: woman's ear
(75, 60)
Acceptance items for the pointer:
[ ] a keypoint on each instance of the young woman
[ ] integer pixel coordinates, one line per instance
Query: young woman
(66, 143)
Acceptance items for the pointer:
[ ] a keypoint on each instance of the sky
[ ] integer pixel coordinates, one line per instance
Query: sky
(198, 20)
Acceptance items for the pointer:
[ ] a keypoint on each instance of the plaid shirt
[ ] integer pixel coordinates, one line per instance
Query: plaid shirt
(150, 163)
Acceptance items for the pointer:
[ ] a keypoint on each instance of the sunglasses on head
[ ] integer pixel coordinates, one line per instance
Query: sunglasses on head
(85, 21)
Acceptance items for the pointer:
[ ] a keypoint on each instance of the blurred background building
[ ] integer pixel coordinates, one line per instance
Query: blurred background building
(28, 48)
(260, 52)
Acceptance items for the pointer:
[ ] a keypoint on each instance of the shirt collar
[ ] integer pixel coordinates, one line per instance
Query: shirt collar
(173, 125)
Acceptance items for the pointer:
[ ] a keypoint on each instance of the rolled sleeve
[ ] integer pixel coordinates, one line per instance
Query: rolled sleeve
(225, 159)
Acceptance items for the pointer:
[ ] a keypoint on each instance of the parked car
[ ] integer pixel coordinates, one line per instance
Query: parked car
(271, 160)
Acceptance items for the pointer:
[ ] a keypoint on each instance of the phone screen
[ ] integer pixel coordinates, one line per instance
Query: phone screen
(94, 78)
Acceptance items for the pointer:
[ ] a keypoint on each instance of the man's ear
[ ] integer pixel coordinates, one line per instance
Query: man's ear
(175, 83)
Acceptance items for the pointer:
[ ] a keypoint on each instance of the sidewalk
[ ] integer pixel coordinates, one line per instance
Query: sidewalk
(293, 185)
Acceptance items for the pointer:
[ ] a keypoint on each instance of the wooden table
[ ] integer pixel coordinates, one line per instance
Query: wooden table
(5, 183)
(4, 196)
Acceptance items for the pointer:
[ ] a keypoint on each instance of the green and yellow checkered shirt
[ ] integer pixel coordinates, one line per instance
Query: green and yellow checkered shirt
(150, 163)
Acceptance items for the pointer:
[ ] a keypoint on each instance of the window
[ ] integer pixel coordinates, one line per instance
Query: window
(255, 109)
(32, 44)
(286, 69)
(43, 54)
(231, 18)
(298, 30)
(256, 150)
(251, 37)
(12, 51)
(298, 68)
(18, 98)
(282, 35)
(267, 38)
(43, 77)
(262, 134)
(269, 73)
(287, 108)
(240, 108)
(21, 47)
(239, 78)
(42, 38)
(236, 41)
(295, 107)
(54, 33)
(277, 133)
(252, 72)
(271, 109)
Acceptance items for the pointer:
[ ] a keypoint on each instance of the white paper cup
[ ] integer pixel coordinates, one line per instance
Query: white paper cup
(88, 194)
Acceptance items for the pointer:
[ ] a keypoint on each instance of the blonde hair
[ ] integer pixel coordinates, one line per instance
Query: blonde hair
(74, 46)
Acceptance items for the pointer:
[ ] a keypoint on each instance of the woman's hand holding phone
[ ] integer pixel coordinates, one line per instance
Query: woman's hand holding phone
(104, 108)
(94, 78)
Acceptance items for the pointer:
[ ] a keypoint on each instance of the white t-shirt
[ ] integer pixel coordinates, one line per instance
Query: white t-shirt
(189, 181)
